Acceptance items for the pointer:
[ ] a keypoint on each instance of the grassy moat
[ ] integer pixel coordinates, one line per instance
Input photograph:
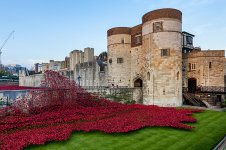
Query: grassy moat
(209, 129)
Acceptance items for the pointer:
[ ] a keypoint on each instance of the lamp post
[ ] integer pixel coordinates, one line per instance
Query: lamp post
(79, 78)
(7, 101)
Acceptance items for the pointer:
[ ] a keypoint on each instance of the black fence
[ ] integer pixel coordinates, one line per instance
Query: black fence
(207, 89)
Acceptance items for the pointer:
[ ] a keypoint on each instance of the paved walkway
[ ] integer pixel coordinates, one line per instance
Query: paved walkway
(221, 145)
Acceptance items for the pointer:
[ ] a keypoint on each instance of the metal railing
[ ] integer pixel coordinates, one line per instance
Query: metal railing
(102, 87)
(212, 89)
(8, 96)
(206, 89)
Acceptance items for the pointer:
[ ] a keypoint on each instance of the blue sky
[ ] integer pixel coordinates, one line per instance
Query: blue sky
(50, 29)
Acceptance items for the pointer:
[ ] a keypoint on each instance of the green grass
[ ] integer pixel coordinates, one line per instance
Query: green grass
(210, 128)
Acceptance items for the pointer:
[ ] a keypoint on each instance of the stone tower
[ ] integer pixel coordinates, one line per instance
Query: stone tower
(119, 46)
(162, 45)
(149, 56)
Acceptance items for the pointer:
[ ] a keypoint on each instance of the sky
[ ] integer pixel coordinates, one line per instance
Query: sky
(50, 29)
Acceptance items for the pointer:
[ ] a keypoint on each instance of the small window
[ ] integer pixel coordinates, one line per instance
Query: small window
(165, 52)
(138, 39)
(157, 27)
(148, 76)
(122, 40)
(119, 60)
(189, 67)
(110, 61)
(210, 65)
(193, 67)
(189, 40)
(101, 68)
(90, 63)
(164, 91)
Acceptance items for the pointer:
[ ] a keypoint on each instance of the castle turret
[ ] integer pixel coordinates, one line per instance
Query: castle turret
(162, 45)
(88, 54)
(119, 48)
(75, 58)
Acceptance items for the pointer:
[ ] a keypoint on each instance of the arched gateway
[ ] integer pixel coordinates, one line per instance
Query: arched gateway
(138, 83)
(192, 83)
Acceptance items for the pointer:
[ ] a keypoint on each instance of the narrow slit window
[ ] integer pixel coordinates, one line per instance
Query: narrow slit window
(110, 61)
(148, 76)
(122, 41)
(178, 75)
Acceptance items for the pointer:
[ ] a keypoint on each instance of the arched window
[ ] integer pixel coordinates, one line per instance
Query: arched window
(148, 76)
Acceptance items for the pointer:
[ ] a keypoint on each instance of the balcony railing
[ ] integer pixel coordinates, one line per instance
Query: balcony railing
(216, 89)
(206, 89)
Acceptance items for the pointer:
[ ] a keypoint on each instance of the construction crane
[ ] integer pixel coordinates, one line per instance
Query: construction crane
(3, 44)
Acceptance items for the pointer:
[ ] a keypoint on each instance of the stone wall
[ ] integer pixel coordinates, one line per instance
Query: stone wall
(89, 74)
(88, 54)
(75, 57)
(118, 93)
(164, 86)
(209, 67)
(137, 64)
(30, 81)
(184, 71)
(54, 65)
(119, 47)
(160, 76)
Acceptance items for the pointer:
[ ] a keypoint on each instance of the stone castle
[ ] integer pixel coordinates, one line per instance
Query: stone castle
(155, 56)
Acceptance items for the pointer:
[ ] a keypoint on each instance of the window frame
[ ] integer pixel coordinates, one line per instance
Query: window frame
(165, 52)
(158, 26)
(110, 61)
(193, 66)
(122, 40)
(138, 38)
(148, 76)
(119, 60)
(210, 65)
(189, 40)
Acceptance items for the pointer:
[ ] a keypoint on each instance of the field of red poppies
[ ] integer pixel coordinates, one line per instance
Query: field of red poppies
(59, 107)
